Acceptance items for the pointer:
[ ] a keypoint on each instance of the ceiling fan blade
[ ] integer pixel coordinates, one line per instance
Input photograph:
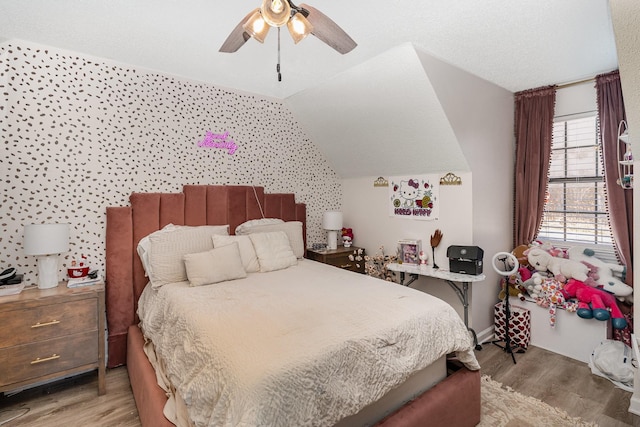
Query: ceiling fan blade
(237, 38)
(328, 31)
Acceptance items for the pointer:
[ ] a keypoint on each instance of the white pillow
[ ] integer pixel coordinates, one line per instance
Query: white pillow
(214, 266)
(247, 252)
(273, 250)
(144, 246)
(168, 248)
(292, 228)
(248, 225)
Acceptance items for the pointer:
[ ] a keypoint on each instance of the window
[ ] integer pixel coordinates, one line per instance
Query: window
(575, 209)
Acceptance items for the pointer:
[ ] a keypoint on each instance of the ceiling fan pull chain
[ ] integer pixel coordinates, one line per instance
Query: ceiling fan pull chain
(278, 66)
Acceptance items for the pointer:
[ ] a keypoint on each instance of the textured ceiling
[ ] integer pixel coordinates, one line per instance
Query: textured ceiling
(514, 44)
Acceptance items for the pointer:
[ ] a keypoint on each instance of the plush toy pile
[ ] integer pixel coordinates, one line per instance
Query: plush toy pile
(574, 280)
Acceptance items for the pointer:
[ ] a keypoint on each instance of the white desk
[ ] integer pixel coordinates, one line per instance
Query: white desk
(452, 279)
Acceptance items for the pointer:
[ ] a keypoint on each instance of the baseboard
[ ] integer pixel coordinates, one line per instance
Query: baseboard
(486, 335)
(634, 404)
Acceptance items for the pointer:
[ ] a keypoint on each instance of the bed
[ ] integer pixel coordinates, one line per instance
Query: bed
(419, 393)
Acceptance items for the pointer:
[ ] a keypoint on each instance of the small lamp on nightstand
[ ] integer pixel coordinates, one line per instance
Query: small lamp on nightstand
(46, 241)
(332, 222)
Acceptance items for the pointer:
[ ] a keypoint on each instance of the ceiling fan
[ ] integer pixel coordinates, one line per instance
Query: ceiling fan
(300, 20)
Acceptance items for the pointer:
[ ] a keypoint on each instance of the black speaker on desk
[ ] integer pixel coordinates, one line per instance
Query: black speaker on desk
(465, 259)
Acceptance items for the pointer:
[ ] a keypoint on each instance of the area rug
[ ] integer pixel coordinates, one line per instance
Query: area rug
(504, 407)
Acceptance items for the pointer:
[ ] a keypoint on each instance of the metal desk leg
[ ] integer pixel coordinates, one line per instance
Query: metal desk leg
(463, 296)
(412, 278)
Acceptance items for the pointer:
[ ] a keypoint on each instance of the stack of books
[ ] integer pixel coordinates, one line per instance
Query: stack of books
(11, 286)
(83, 281)
(11, 289)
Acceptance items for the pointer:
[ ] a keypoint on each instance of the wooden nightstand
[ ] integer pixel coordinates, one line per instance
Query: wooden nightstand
(339, 257)
(51, 333)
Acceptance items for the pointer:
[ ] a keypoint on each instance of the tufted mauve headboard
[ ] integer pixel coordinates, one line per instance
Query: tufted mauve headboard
(196, 205)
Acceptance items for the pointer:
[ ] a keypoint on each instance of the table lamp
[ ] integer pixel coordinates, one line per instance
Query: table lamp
(332, 222)
(46, 241)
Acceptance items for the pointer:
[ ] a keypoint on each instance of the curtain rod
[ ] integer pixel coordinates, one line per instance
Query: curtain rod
(578, 82)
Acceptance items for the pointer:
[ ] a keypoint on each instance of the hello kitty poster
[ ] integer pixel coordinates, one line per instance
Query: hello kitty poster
(414, 197)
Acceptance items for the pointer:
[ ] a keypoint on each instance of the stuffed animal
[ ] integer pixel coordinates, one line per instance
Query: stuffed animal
(519, 253)
(515, 282)
(594, 303)
(604, 278)
(533, 285)
(551, 296)
(561, 268)
(553, 251)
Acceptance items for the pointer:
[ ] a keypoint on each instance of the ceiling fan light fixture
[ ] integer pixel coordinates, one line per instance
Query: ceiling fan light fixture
(256, 26)
(276, 12)
(299, 27)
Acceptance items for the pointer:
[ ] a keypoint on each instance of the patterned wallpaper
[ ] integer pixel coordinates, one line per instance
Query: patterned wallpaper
(79, 134)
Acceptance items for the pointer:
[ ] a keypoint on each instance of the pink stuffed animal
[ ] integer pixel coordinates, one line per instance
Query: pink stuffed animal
(594, 303)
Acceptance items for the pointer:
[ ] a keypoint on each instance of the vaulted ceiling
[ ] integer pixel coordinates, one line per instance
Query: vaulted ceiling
(377, 93)
(514, 44)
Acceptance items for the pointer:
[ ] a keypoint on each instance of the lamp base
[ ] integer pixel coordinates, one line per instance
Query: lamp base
(47, 271)
(332, 240)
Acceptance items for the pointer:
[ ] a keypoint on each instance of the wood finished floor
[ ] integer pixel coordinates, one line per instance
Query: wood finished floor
(557, 380)
(75, 403)
(561, 382)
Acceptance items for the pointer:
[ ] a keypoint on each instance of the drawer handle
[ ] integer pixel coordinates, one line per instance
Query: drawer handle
(39, 325)
(46, 359)
(345, 266)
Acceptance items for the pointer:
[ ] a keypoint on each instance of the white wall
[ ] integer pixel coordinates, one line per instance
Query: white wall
(625, 15)
(366, 210)
(481, 115)
(576, 99)
(477, 213)
(380, 119)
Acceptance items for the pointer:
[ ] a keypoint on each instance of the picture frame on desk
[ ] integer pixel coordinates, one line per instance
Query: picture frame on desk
(409, 251)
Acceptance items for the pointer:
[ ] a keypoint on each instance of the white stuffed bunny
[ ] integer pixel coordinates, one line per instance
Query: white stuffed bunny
(561, 268)
(605, 278)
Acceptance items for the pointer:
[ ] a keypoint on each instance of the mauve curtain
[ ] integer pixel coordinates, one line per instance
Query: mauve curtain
(619, 201)
(534, 111)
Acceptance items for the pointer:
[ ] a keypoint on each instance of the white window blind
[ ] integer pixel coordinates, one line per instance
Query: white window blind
(575, 209)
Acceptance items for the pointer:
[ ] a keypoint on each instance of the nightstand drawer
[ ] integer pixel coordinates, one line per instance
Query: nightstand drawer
(47, 321)
(340, 258)
(24, 362)
(341, 261)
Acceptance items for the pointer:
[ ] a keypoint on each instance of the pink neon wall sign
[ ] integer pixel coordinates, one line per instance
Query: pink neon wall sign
(218, 140)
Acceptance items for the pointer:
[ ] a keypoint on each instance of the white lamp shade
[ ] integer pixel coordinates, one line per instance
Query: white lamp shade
(46, 239)
(332, 221)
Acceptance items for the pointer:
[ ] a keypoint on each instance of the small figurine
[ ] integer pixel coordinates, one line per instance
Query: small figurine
(435, 241)
(347, 237)
(423, 258)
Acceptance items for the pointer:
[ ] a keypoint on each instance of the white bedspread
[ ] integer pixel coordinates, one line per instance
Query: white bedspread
(308, 345)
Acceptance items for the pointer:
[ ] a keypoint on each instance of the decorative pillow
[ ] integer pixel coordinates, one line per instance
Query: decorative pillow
(168, 248)
(273, 250)
(248, 225)
(247, 252)
(213, 266)
(144, 246)
(292, 228)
